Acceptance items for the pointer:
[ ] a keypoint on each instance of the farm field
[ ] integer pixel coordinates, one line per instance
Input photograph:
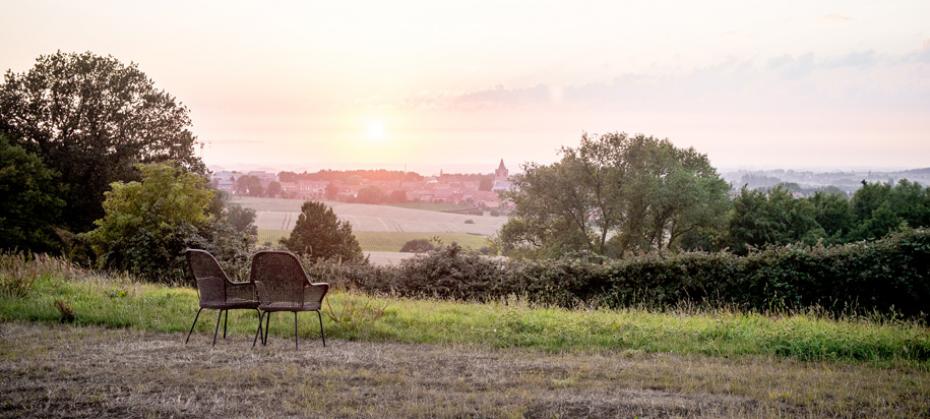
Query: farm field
(391, 241)
(401, 357)
(281, 214)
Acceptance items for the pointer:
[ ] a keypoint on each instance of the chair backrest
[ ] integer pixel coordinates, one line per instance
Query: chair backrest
(210, 277)
(278, 276)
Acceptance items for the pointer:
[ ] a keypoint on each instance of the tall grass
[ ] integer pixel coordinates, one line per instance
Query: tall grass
(118, 301)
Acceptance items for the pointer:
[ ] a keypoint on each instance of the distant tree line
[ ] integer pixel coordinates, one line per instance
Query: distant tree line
(617, 195)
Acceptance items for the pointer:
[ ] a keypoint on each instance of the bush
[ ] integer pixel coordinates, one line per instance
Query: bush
(417, 246)
(148, 224)
(890, 276)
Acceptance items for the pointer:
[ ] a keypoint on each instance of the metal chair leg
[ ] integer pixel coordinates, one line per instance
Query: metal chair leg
(192, 326)
(225, 320)
(259, 330)
(267, 328)
(322, 335)
(296, 346)
(217, 328)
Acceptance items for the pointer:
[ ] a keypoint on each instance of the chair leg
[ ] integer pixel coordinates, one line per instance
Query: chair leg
(259, 330)
(267, 328)
(192, 326)
(225, 320)
(217, 328)
(322, 335)
(296, 346)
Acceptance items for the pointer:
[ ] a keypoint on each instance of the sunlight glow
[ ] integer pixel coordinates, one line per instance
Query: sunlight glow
(375, 131)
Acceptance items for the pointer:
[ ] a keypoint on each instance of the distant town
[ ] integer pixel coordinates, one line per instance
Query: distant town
(472, 193)
(806, 183)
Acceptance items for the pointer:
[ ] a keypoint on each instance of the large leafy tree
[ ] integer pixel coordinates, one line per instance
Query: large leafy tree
(30, 205)
(616, 194)
(319, 234)
(92, 119)
(148, 223)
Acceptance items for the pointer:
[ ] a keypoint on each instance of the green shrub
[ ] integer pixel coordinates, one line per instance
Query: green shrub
(417, 246)
(891, 275)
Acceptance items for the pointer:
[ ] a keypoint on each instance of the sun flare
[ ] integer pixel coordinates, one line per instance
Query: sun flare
(375, 131)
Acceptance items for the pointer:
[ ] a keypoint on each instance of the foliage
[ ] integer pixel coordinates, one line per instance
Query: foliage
(30, 205)
(889, 276)
(249, 185)
(613, 195)
(775, 217)
(370, 195)
(230, 236)
(92, 119)
(318, 234)
(148, 224)
(417, 246)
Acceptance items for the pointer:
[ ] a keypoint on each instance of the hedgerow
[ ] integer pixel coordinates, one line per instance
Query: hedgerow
(891, 275)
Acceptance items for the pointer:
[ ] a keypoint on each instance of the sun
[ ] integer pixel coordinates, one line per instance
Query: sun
(375, 131)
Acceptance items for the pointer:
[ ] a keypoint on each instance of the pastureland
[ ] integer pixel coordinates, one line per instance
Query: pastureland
(392, 241)
(119, 302)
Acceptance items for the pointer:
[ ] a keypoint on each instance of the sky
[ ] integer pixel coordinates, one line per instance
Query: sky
(430, 85)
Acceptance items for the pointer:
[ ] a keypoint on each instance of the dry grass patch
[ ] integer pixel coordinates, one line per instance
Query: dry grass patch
(52, 370)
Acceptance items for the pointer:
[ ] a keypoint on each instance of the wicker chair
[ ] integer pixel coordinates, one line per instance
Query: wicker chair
(217, 292)
(283, 285)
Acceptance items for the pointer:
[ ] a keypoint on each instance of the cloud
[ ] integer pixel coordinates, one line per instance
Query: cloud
(857, 79)
(834, 18)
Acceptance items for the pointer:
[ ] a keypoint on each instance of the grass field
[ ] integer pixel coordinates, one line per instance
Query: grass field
(432, 206)
(403, 357)
(281, 214)
(391, 241)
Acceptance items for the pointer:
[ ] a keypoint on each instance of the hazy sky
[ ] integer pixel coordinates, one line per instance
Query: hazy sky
(460, 84)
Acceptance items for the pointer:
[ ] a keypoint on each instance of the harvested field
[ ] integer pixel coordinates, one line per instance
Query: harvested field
(281, 214)
(51, 370)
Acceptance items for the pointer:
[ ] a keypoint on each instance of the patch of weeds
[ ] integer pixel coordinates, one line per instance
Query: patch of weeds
(117, 293)
(354, 313)
(65, 312)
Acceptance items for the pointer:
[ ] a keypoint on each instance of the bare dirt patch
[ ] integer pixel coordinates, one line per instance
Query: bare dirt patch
(92, 372)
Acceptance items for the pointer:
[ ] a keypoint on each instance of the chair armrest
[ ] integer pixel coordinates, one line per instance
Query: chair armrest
(243, 290)
(314, 292)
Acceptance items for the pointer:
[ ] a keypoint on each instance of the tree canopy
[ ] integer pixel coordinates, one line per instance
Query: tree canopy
(92, 119)
(615, 194)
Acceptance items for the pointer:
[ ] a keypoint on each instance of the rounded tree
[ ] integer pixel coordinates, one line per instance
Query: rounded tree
(319, 234)
(92, 119)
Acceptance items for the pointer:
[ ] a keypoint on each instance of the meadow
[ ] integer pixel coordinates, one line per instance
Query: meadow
(629, 361)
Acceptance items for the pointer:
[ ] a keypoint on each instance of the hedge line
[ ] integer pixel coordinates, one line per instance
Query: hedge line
(888, 275)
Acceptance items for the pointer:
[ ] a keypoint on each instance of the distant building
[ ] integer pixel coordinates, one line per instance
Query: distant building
(501, 172)
(224, 180)
(305, 189)
(502, 181)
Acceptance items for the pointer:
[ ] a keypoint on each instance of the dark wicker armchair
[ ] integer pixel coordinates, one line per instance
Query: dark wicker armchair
(283, 285)
(217, 292)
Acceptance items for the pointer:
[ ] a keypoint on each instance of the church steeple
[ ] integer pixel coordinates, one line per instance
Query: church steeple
(501, 172)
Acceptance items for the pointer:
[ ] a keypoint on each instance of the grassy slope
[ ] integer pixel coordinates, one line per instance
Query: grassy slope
(391, 241)
(356, 317)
